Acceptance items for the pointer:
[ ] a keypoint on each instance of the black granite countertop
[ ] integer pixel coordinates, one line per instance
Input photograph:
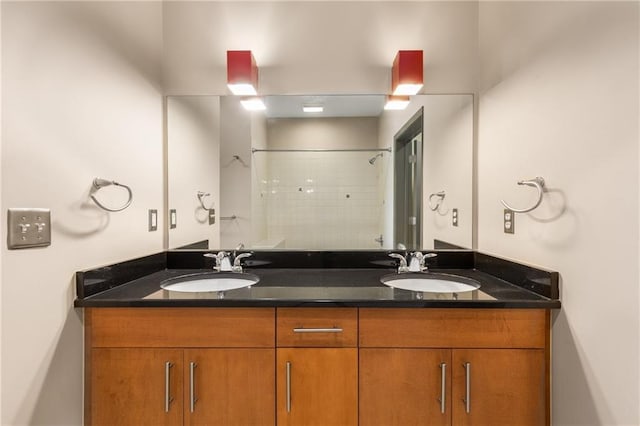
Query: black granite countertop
(503, 284)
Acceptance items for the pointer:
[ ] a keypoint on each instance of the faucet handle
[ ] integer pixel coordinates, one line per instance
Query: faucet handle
(403, 262)
(237, 266)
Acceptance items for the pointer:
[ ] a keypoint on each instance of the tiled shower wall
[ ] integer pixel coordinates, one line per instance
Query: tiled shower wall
(322, 200)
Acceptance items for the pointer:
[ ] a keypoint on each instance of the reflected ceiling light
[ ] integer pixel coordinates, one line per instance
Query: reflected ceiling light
(253, 104)
(407, 74)
(312, 108)
(397, 102)
(242, 73)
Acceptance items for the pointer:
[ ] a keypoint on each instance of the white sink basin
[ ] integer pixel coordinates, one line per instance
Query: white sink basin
(430, 282)
(209, 281)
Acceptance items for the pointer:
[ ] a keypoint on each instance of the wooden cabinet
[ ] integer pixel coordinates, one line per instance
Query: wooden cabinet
(317, 367)
(180, 366)
(232, 387)
(435, 367)
(317, 386)
(404, 387)
(135, 386)
(499, 387)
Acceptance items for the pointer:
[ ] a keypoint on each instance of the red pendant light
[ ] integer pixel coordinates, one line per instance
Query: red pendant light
(242, 73)
(407, 76)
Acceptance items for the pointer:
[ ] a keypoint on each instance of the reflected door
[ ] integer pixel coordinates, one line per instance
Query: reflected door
(408, 184)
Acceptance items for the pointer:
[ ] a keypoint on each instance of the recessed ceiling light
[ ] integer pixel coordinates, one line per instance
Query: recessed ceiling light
(309, 108)
(253, 104)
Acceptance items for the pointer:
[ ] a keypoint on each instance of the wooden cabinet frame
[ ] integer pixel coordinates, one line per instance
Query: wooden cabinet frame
(399, 336)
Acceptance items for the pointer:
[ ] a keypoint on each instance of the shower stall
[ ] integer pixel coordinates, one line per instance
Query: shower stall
(321, 199)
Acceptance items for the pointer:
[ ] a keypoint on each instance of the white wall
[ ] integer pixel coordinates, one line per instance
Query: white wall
(235, 174)
(258, 186)
(81, 98)
(559, 99)
(448, 165)
(193, 153)
(319, 47)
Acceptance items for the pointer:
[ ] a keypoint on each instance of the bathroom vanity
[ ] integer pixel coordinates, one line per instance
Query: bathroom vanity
(321, 343)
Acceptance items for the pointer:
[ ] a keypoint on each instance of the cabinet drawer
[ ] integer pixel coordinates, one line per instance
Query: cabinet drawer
(317, 327)
(180, 327)
(453, 328)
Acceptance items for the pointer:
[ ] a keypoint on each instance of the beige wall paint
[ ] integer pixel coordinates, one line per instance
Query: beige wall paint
(322, 133)
(81, 98)
(258, 165)
(319, 47)
(448, 163)
(235, 175)
(559, 99)
(193, 153)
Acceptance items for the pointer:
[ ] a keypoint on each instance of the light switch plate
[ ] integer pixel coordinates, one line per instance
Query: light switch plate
(28, 228)
(173, 219)
(212, 216)
(153, 220)
(509, 221)
(454, 217)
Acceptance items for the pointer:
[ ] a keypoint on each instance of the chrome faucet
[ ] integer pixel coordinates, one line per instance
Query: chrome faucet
(417, 262)
(223, 263)
(237, 266)
(403, 262)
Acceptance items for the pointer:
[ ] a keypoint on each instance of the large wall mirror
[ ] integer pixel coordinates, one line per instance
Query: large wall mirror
(351, 176)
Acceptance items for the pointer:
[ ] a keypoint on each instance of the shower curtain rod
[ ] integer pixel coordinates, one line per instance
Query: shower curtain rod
(322, 150)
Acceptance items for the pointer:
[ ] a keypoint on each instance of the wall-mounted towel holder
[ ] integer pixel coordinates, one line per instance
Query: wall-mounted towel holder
(99, 183)
(538, 183)
(439, 198)
(201, 195)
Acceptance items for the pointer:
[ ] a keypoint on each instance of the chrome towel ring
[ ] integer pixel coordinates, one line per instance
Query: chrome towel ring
(201, 195)
(537, 183)
(101, 183)
(439, 198)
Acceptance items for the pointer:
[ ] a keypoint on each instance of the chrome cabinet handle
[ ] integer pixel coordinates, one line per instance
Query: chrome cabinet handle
(443, 386)
(192, 386)
(167, 386)
(317, 330)
(288, 377)
(467, 398)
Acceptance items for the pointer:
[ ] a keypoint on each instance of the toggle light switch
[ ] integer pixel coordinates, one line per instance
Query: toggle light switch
(28, 228)
(153, 220)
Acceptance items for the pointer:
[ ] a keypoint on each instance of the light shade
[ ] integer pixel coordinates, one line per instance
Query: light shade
(407, 76)
(397, 102)
(253, 104)
(242, 73)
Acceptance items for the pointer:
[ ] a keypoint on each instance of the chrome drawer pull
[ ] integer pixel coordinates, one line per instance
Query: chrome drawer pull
(192, 386)
(167, 386)
(443, 385)
(467, 399)
(288, 377)
(317, 330)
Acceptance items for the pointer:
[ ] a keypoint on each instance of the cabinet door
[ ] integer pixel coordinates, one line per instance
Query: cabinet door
(135, 387)
(317, 386)
(229, 387)
(405, 387)
(499, 387)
